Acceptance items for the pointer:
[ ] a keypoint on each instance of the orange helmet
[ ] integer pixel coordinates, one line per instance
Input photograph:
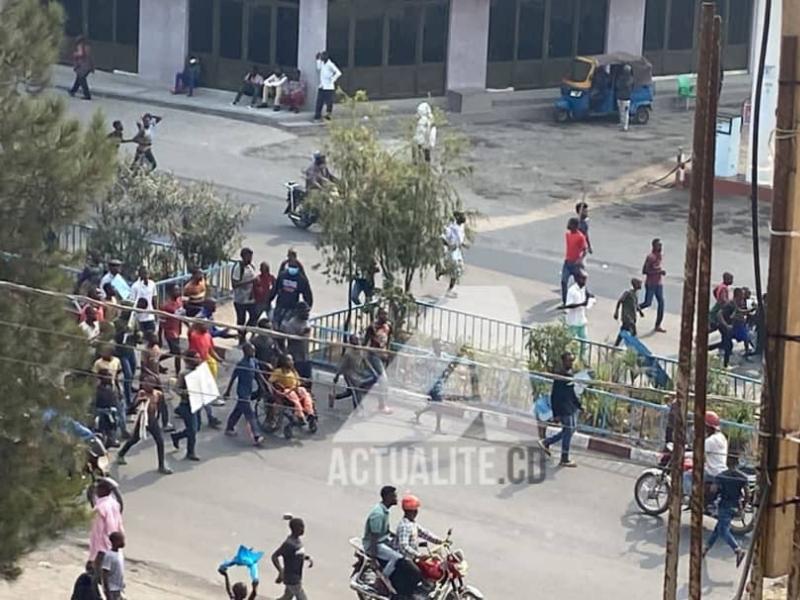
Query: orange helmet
(410, 502)
(712, 419)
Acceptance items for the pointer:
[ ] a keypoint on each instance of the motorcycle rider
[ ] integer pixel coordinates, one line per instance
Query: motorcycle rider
(409, 532)
(318, 173)
(716, 452)
(377, 537)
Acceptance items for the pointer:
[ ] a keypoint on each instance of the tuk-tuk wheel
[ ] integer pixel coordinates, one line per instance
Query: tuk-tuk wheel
(560, 115)
(642, 115)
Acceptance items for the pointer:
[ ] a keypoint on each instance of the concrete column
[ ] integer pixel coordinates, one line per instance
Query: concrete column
(312, 38)
(468, 44)
(163, 39)
(625, 32)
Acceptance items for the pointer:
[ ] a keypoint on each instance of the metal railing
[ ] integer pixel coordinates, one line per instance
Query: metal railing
(507, 339)
(218, 282)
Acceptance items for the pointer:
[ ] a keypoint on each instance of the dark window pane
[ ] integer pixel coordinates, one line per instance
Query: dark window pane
(434, 34)
(531, 29)
(258, 34)
(73, 17)
(339, 37)
(128, 22)
(101, 20)
(739, 24)
(592, 32)
(403, 36)
(681, 25)
(654, 17)
(201, 25)
(286, 49)
(230, 29)
(562, 17)
(369, 42)
(502, 16)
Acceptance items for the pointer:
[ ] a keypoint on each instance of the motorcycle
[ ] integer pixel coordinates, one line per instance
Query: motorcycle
(298, 214)
(443, 571)
(652, 490)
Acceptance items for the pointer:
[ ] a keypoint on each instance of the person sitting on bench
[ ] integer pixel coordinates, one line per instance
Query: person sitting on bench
(274, 86)
(251, 86)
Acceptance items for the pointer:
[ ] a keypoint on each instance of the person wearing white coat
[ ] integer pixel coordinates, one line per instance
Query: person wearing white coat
(425, 133)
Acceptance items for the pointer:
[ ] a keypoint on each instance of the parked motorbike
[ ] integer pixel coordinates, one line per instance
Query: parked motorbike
(443, 571)
(652, 490)
(296, 210)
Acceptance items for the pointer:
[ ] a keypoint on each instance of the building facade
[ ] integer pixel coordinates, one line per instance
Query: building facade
(399, 48)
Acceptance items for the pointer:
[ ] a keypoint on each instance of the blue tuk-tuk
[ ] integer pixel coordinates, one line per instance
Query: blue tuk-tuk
(589, 91)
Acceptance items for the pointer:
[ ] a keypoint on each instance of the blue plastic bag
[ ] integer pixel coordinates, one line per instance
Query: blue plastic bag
(542, 409)
(245, 557)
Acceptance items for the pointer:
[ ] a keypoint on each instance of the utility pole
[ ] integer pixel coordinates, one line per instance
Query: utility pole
(708, 88)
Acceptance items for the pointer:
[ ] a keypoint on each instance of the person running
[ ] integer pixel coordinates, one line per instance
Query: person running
(147, 405)
(629, 304)
(244, 375)
(144, 141)
(566, 406)
(294, 557)
(582, 210)
(576, 247)
(731, 486)
(191, 421)
(353, 367)
(653, 283)
(378, 339)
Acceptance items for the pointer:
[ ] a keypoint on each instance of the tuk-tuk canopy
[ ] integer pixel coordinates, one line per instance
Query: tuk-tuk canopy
(583, 68)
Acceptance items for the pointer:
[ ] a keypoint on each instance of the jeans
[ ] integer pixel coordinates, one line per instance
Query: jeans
(127, 356)
(244, 409)
(82, 83)
(390, 555)
(294, 591)
(324, 98)
(155, 431)
(723, 529)
(568, 425)
(185, 81)
(656, 290)
(245, 315)
(725, 344)
(361, 286)
(569, 269)
(624, 107)
(189, 429)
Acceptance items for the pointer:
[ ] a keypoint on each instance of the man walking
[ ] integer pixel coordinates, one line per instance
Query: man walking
(244, 374)
(243, 278)
(83, 65)
(629, 303)
(576, 247)
(566, 406)
(624, 89)
(294, 557)
(577, 301)
(191, 421)
(144, 141)
(145, 289)
(107, 519)
(329, 73)
(730, 485)
(653, 286)
(582, 210)
(148, 402)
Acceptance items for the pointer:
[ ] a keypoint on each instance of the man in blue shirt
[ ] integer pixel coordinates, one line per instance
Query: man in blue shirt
(730, 484)
(244, 374)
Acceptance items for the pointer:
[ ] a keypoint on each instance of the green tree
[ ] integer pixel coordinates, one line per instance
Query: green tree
(386, 208)
(50, 168)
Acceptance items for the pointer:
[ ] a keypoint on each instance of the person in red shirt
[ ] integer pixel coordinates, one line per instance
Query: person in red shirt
(722, 291)
(171, 328)
(573, 258)
(201, 342)
(262, 289)
(653, 286)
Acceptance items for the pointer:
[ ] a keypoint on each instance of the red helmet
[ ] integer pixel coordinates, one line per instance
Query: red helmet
(712, 419)
(410, 502)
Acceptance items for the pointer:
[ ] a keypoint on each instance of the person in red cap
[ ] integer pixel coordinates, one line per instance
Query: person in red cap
(716, 453)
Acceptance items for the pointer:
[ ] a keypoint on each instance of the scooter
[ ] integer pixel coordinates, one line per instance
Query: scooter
(295, 206)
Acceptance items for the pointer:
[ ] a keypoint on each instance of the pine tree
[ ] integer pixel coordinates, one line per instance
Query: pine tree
(50, 169)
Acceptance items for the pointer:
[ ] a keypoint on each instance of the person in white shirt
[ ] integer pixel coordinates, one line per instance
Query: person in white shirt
(716, 453)
(425, 132)
(329, 73)
(145, 289)
(578, 300)
(113, 573)
(89, 325)
(274, 86)
(455, 237)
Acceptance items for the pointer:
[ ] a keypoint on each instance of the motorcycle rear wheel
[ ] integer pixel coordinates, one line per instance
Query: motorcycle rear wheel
(646, 485)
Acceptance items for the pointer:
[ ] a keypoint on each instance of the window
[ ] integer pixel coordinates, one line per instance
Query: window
(128, 22)
(201, 25)
(403, 36)
(655, 17)
(339, 38)
(73, 17)
(230, 29)
(562, 18)
(101, 20)
(681, 25)
(502, 19)
(258, 34)
(592, 31)
(531, 29)
(741, 12)
(369, 42)
(434, 33)
(287, 31)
